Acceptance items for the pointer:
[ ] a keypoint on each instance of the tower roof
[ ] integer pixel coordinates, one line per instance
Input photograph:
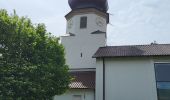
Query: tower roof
(98, 4)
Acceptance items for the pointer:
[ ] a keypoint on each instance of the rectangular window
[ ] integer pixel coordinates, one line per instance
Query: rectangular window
(83, 22)
(77, 97)
(162, 72)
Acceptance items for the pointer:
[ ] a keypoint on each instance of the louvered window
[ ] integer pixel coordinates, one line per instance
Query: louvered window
(83, 22)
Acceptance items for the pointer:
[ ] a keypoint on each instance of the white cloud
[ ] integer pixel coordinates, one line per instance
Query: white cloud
(140, 22)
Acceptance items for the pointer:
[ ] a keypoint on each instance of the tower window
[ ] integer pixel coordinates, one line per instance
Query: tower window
(81, 55)
(83, 22)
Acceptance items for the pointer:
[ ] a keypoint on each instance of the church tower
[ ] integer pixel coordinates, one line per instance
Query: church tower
(85, 32)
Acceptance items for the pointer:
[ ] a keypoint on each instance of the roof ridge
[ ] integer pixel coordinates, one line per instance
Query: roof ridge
(134, 45)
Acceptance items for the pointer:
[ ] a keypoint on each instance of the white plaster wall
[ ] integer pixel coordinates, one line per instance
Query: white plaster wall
(99, 79)
(91, 24)
(128, 79)
(161, 59)
(83, 42)
(86, 94)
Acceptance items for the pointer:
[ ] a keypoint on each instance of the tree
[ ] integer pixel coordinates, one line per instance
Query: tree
(32, 64)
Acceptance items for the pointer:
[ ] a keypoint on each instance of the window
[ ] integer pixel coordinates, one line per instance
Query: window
(83, 22)
(77, 97)
(162, 72)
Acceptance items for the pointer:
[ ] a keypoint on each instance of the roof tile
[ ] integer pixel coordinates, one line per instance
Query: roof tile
(133, 51)
(83, 80)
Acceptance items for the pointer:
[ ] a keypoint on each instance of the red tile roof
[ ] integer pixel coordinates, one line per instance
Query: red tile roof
(83, 80)
(133, 51)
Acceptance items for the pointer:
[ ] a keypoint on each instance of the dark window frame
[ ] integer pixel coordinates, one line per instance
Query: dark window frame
(158, 91)
(83, 22)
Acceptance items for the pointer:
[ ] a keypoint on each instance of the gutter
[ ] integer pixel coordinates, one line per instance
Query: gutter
(104, 79)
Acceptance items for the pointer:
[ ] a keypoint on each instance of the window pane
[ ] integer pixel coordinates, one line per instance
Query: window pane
(162, 71)
(83, 22)
(163, 90)
(77, 97)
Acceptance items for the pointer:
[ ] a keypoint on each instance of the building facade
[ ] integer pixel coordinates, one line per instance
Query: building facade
(135, 72)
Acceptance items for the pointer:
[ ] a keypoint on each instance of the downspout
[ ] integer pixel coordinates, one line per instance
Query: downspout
(104, 79)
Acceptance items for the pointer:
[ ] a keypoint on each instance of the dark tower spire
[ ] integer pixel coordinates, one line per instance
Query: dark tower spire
(101, 5)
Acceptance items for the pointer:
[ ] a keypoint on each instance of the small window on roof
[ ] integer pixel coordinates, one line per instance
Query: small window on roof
(83, 22)
(77, 97)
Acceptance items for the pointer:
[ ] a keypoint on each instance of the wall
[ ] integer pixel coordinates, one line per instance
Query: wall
(83, 42)
(128, 78)
(99, 79)
(91, 24)
(87, 94)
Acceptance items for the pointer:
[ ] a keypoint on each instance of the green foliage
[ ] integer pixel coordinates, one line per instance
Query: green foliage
(32, 64)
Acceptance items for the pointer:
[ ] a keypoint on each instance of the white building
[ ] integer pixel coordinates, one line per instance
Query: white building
(134, 72)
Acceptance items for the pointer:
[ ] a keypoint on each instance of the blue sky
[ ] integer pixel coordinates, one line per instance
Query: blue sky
(131, 21)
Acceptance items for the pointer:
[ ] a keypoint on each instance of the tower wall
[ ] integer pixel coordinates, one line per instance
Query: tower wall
(81, 43)
(91, 24)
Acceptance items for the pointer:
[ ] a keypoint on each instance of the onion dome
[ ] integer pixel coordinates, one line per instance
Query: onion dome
(98, 4)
